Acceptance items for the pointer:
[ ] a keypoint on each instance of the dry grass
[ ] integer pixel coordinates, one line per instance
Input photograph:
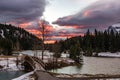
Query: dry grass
(7, 56)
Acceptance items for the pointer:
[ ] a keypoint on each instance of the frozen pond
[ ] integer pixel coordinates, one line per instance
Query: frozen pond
(93, 65)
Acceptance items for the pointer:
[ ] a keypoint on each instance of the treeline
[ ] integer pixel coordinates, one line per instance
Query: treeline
(97, 41)
(16, 38)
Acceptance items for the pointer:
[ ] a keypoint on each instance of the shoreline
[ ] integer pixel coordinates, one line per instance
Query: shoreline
(40, 75)
(84, 75)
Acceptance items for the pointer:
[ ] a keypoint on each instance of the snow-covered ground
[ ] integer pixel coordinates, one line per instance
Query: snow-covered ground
(25, 76)
(109, 54)
(48, 56)
(36, 52)
(9, 64)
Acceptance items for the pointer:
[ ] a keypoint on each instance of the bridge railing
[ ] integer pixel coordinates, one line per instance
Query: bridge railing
(39, 61)
(30, 61)
(35, 62)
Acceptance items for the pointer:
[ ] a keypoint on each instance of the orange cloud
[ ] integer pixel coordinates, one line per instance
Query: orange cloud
(33, 31)
(78, 27)
(50, 42)
(86, 13)
(48, 27)
(24, 25)
(68, 18)
(71, 35)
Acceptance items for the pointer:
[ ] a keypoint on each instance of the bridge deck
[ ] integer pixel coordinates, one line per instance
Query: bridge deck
(42, 75)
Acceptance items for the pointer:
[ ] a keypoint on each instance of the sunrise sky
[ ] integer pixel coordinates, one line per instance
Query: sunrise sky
(64, 18)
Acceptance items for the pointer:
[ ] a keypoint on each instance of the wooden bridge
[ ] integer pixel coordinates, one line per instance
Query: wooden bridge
(33, 63)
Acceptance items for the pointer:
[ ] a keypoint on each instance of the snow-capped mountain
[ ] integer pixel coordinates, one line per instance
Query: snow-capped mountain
(115, 28)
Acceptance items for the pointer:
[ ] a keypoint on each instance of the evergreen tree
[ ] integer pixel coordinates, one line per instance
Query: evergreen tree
(12, 38)
(75, 52)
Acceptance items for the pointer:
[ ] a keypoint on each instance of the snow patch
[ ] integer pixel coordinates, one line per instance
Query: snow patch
(11, 64)
(2, 34)
(25, 76)
(109, 54)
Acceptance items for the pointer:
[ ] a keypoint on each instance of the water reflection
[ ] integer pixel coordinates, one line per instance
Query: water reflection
(9, 75)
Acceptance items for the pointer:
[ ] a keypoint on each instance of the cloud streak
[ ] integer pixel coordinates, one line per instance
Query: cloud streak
(101, 13)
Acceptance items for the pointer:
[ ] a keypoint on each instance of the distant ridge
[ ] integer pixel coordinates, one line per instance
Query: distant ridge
(16, 38)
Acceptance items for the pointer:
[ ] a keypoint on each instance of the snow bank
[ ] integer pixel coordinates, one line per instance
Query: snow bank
(109, 54)
(24, 77)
